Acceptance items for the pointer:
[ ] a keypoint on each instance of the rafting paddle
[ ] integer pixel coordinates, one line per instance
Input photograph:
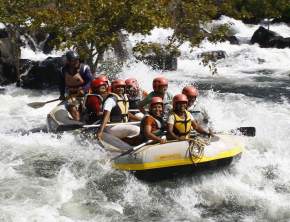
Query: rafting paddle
(132, 149)
(37, 105)
(245, 131)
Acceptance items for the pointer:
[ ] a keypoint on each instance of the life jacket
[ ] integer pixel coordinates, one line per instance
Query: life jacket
(72, 82)
(120, 112)
(182, 126)
(159, 123)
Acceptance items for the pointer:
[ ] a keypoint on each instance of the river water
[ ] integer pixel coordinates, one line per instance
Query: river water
(45, 177)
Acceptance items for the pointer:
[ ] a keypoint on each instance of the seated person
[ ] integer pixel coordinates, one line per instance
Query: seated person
(135, 96)
(199, 113)
(93, 102)
(180, 121)
(116, 110)
(160, 86)
(152, 125)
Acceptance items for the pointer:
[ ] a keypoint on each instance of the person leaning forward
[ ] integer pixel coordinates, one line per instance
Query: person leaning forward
(75, 82)
(180, 121)
(116, 110)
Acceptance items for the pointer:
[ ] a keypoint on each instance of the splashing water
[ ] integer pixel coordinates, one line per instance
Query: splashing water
(45, 177)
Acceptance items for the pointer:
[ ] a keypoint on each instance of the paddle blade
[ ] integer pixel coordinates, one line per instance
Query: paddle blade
(36, 105)
(247, 131)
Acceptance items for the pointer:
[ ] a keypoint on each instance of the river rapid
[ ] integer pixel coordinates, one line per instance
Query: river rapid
(45, 177)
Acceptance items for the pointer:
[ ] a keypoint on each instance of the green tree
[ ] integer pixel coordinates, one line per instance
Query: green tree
(255, 10)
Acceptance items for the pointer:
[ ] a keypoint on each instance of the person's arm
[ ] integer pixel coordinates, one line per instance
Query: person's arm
(105, 120)
(199, 129)
(170, 132)
(151, 136)
(88, 77)
(170, 127)
(108, 106)
(62, 85)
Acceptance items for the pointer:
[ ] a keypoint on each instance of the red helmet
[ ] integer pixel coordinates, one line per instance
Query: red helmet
(132, 82)
(190, 91)
(159, 81)
(103, 78)
(156, 100)
(96, 83)
(118, 82)
(179, 98)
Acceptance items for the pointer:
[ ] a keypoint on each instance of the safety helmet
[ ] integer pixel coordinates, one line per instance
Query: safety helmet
(118, 82)
(156, 100)
(190, 91)
(132, 82)
(96, 83)
(159, 81)
(179, 98)
(72, 55)
(103, 78)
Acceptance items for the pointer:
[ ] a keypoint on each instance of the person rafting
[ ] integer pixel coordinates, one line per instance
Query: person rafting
(160, 86)
(198, 112)
(75, 82)
(104, 78)
(152, 126)
(135, 96)
(93, 102)
(181, 122)
(116, 110)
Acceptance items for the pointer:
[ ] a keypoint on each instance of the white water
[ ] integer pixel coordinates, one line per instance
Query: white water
(44, 177)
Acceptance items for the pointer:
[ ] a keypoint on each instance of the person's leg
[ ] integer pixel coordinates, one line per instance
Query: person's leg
(73, 110)
(122, 131)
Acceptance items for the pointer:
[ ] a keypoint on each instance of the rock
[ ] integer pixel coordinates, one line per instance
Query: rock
(3, 33)
(233, 40)
(8, 72)
(269, 39)
(213, 55)
(43, 75)
(160, 62)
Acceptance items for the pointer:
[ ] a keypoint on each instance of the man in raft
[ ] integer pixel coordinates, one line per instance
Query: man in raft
(135, 96)
(180, 121)
(160, 86)
(75, 82)
(152, 125)
(116, 110)
(93, 102)
(198, 112)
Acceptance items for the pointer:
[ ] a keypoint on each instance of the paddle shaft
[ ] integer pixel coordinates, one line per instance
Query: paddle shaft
(53, 100)
(132, 149)
(110, 124)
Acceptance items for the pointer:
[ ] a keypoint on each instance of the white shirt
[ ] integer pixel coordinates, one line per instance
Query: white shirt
(110, 104)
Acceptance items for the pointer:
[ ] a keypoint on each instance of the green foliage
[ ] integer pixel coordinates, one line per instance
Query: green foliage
(255, 10)
(144, 49)
(93, 26)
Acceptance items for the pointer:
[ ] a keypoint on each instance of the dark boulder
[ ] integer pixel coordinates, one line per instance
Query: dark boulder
(269, 39)
(3, 33)
(166, 63)
(43, 75)
(233, 40)
(8, 72)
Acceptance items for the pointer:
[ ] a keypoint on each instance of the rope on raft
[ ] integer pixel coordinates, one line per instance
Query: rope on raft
(196, 148)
